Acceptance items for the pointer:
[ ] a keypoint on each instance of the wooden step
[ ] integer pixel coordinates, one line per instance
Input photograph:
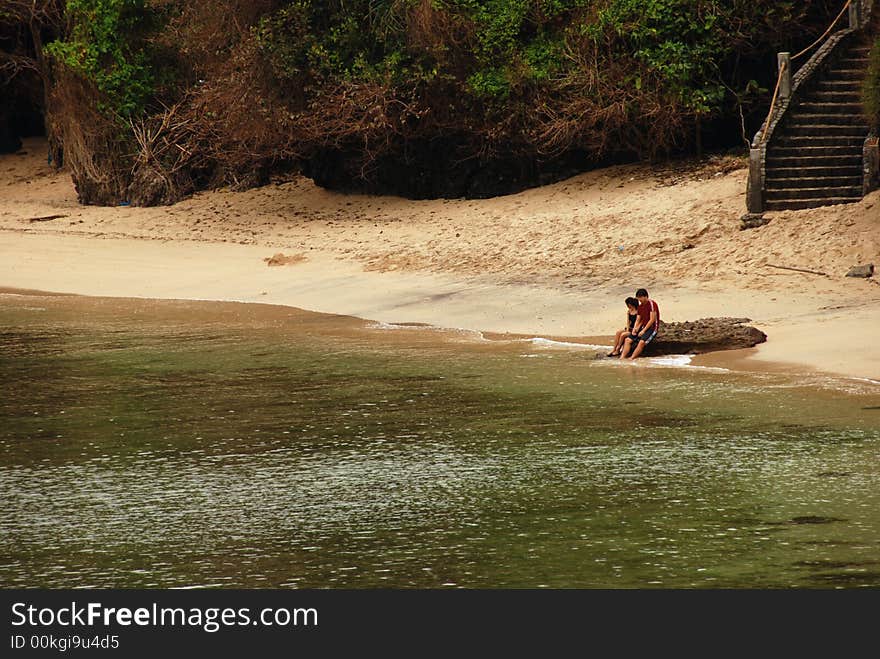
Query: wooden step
(787, 151)
(803, 117)
(774, 162)
(830, 107)
(805, 141)
(846, 74)
(814, 183)
(839, 85)
(853, 62)
(839, 192)
(850, 171)
(822, 130)
(833, 97)
(799, 204)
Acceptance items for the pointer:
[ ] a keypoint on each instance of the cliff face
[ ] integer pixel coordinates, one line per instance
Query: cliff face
(155, 99)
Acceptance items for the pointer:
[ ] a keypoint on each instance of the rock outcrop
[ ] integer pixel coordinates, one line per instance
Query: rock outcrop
(704, 335)
(863, 271)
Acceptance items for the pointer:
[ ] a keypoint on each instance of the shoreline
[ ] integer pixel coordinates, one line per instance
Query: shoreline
(743, 361)
(164, 271)
(553, 262)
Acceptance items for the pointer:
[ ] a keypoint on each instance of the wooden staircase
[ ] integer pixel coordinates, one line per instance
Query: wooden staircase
(814, 149)
(816, 157)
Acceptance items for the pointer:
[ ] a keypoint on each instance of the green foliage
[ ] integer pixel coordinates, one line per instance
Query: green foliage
(685, 43)
(871, 87)
(673, 49)
(679, 40)
(544, 56)
(309, 38)
(106, 45)
(499, 23)
(491, 82)
(498, 66)
(518, 42)
(287, 40)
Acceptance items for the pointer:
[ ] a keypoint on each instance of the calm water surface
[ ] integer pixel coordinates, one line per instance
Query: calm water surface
(180, 444)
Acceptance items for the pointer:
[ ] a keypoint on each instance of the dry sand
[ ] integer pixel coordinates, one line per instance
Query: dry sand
(552, 261)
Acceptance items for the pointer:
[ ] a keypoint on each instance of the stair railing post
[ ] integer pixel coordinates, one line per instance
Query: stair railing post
(855, 14)
(783, 62)
(754, 188)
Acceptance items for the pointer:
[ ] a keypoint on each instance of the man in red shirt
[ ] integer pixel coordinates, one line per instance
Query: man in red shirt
(645, 329)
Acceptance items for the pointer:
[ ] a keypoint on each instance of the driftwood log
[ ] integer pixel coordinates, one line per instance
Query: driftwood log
(704, 335)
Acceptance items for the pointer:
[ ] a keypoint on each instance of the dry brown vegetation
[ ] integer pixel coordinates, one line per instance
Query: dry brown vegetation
(418, 97)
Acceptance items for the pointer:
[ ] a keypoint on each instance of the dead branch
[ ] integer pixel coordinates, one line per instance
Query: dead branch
(785, 267)
(44, 218)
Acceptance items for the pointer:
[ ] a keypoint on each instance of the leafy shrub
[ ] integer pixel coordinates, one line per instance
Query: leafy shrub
(361, 82)
(106, 46)
(355, 40)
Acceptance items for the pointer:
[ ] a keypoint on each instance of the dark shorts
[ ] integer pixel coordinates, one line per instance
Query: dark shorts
(647, 337)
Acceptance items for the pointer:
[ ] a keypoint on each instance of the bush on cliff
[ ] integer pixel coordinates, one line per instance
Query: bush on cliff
(416, 97)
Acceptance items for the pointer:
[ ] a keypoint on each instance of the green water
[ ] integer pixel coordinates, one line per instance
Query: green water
(147, 444)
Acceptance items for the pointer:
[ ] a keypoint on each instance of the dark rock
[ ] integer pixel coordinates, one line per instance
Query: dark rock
(861, 271)
(441, 168)
(752, 221)
(704, 335)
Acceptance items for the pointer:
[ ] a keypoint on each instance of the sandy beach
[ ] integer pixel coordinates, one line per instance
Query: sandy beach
(555, 261)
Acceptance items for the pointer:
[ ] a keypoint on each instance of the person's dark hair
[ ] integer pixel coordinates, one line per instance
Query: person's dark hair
(632, 302)
(641, 293)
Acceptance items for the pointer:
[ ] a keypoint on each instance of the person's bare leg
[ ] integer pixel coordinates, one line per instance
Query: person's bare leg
(638, 350)
(615, 351)
(627, 344)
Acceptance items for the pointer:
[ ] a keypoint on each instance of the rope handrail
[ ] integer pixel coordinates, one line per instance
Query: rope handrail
(826, 33)
(773, 101)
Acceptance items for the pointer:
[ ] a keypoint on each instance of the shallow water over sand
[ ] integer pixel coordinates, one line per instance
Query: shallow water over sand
(178, 444)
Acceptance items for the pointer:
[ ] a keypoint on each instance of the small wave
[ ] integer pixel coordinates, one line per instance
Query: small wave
(683, 361)
(550, 343)
(672, 360)
(868, 380)
(424, 327)
(396, 326)
(400, 326)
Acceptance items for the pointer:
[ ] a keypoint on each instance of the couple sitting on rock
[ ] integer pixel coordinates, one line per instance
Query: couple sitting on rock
(642, 323)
